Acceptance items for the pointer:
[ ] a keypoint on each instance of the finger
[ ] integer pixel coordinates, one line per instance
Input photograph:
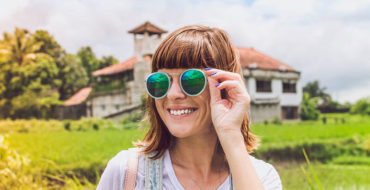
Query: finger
(234, 88)
(223, 75)
(215, 93)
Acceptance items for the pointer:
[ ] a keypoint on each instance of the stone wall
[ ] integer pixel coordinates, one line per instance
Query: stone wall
(103, 104)
(261, 112)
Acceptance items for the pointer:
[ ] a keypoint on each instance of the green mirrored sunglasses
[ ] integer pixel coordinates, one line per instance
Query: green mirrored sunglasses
(192, 82)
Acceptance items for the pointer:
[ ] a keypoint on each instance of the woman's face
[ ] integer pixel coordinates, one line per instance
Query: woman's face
(196, 113)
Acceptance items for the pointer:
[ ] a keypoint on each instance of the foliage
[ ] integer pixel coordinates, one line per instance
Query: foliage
(20, 48)
(314, 90)
(276, 121)
(49, 45)
(88, 60)
(107, 61)
(313, 173)
(36, 73)
(72, 76)
(13, 169)
(29, 89)
(324, 103)
(332, 176)
(110, 83)
(308, 108)
(362, 107)
(27, 77)
(133, 117)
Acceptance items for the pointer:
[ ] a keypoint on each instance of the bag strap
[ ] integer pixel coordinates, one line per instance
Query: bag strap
(131, 171)
(153, 172)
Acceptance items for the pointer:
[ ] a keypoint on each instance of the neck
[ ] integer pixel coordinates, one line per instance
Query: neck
(200, 153)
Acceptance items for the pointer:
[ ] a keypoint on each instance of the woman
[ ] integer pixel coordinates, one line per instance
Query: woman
(197, 106)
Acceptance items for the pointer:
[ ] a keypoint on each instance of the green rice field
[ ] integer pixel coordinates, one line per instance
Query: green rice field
(339, 149)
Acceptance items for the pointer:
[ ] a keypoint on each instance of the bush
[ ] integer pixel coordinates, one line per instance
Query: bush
(324, 120)
(362, 107)
(276, 121)
(133, 117)
(14, 172)
(308, 110)
(131, 125)
(95, 126)
(322, 150)
(67, 126)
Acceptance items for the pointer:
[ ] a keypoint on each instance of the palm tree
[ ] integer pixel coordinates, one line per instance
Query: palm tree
(20, 48)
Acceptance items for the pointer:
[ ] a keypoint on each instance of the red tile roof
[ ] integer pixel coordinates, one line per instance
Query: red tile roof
(116, 68)
(79, 97)
(147, 27)
(251, 58)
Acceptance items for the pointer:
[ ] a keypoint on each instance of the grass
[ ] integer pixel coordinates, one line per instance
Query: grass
(310, 130)
(331, 176)
(82, 151)
(74, 150)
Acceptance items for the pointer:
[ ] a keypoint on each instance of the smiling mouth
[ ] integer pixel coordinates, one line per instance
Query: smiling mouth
(180, 112)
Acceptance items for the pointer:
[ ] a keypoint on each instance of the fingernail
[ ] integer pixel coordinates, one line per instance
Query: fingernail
(218, 84)
(213, 73)
(207, 69)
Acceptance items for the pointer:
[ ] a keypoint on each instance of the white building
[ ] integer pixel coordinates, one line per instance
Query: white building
(274, 87)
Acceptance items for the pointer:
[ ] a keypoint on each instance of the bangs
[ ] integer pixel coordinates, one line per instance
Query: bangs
(186, 50)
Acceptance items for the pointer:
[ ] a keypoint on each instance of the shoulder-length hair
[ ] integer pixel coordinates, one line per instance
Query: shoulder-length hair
(191, 47)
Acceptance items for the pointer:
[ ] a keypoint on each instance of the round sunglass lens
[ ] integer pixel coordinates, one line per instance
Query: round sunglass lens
(157, 85)
(193, 82)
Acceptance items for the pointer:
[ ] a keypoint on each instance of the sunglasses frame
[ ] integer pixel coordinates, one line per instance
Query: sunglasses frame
(169, 84)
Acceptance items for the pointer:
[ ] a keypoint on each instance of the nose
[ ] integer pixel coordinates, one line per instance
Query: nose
(175, 91)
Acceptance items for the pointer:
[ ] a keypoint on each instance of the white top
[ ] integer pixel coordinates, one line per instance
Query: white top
(113, 177)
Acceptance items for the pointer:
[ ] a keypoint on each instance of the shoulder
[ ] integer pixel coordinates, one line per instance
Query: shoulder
(114, 173)
(266, 173)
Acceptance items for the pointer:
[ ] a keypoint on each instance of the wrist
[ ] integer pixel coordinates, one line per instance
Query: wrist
(231, 139)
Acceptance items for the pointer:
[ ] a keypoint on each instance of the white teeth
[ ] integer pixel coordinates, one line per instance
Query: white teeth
(181, 112)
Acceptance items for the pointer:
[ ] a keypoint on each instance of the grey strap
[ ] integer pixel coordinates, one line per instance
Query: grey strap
(153, 173)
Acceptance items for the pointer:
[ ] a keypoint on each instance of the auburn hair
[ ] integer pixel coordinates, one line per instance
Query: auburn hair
(191, 47)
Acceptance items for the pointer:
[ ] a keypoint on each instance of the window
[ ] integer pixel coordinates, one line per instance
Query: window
(117, 107)
(103, 107)
(289, 87)
(263, 86)
(289, 112)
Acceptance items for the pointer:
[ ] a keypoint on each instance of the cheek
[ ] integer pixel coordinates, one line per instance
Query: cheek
(158, 105)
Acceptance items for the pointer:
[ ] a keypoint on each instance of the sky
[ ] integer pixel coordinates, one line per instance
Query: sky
(325, 40)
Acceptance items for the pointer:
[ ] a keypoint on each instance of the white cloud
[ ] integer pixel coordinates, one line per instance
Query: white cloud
(325, 40)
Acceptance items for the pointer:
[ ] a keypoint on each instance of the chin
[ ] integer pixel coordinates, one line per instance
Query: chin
(180, 131)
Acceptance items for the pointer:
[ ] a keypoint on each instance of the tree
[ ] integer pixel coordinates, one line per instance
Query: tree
(20, 48)
(49, 45)
(30, 92)
(88, 60)
(326, 103)
(308, 108)
(27, 77)
(314, 90)
(107, 61)
(362, 107)
(73, 76)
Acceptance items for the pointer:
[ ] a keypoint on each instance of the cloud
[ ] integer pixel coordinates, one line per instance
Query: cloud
(325, 40)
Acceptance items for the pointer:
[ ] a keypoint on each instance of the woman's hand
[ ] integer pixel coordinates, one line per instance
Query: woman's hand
(228, 113)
